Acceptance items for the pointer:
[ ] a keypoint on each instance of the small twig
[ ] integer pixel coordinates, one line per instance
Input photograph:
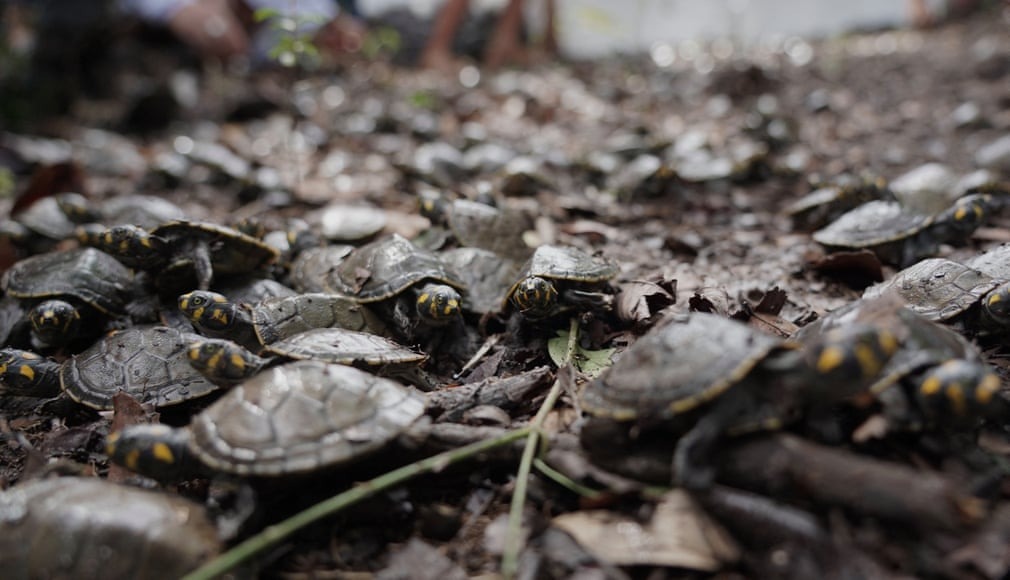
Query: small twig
(513, 532)
(565, 481)
(477, 356)
(278, 532)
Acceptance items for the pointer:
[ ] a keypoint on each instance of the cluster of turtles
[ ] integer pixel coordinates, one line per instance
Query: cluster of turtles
(173, 312)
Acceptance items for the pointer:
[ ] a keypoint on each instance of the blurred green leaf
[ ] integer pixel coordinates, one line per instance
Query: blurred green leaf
(264, 14)
(590, 362)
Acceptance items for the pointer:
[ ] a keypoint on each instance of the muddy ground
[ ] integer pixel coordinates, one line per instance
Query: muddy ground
(680, 174)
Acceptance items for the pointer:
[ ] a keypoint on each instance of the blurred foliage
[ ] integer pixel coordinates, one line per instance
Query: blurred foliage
(382, 42)
(292, 48)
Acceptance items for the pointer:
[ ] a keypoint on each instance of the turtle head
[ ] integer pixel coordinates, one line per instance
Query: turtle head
(223, 362)
(14, 231)
(90, 235)
(23, 372)
(961, 390)
(54, 323)
(848, 359)
(157, 451)
(208, 310)
(132, 245)
(996, 305)
(535, 296)
(434, 206)
(965, 216)
(438, 303)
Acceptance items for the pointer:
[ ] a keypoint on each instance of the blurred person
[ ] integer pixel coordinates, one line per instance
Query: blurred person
(226, 29)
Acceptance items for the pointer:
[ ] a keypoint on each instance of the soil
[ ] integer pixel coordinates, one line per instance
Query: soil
(740, 136)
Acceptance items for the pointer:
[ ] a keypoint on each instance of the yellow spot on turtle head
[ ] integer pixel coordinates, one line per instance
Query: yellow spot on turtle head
(27, 372)
(960, 213)
(163, 453)
(197, 314)
(214, 360)
(955, 394)
(124, 246)
(450, 307)
(132, 459)
(888, 342)
(869, 362)
(423, 298)
(830, 359)
(930, 386)
(3, 368)
(220, 316)
(111, 441)
(145, 241)
(237, 361)
(994, 299)
(219, 299)
(987, 389)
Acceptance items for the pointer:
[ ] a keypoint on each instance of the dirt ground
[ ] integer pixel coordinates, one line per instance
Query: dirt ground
(680, 174)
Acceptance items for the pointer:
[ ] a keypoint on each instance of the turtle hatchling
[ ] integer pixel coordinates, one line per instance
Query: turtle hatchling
(557, 278)
(294, 418)
(707, 376)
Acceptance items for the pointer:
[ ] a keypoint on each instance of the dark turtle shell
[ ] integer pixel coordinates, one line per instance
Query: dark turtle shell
(872, 224)
(568, 263)
(480, 225)
(343, 346)
(677, 368)
(386, 267)
(282, 318)
(247, 290)
(937, 288)
(315, 269)
(85, 527)
(46, 218)
(147, 363)
(300, 417)
(487, 276)
(995, 262)
(232, 252)
(87, 274)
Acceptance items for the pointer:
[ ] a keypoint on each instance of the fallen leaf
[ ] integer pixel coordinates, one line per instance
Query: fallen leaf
(679, 534)
(590, 362)
(639, 301)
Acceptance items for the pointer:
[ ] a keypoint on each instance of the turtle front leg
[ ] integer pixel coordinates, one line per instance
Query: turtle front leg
(693, 467)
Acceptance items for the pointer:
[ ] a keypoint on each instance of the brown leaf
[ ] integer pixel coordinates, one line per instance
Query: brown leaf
(639, 301)
(855, 269)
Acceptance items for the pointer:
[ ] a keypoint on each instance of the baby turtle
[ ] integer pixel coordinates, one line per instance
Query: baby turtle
(295, 418)
(148, 363)
(946, 291)
(145, 211)
(408, 285)
(935, 376)
(264, 323)
(900, 236)
(68, 291)
(203, 247)
(226, 362)
(709, 375)
(89, 529)
(825, 204)
(994, 262)
(556, 278)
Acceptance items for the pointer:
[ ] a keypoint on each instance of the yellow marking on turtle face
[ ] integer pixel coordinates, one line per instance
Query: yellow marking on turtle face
(219, 316)
(450, 307)
(215, 360)
(132, 459)
(3, 368)
(423, 298)
(27, 372)
(237, 361)
(987, 389)
(197, 314)
(888, 342)
(163, 453)
(111, 440)
(869, 363)
(124, 246)
(145, 241)
(960, 213)
(830, 359)
(219, 299)
(955, 394)
(993, 299)
(184, 302)
(930, 386)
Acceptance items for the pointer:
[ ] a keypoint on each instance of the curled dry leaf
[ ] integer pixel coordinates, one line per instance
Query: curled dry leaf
(639, 301)
(679, 534)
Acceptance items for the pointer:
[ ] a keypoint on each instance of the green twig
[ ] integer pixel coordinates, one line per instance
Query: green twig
(565, 481)
(513, 532)
(277, 532)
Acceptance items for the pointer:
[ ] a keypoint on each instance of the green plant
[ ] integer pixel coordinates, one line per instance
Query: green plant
(293, 47)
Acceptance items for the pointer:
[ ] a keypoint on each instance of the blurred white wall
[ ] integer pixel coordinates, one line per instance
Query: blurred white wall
(596, 27)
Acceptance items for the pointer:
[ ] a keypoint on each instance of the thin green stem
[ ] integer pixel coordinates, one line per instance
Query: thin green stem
(513, 532)
(278, 532)
(565, 481)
